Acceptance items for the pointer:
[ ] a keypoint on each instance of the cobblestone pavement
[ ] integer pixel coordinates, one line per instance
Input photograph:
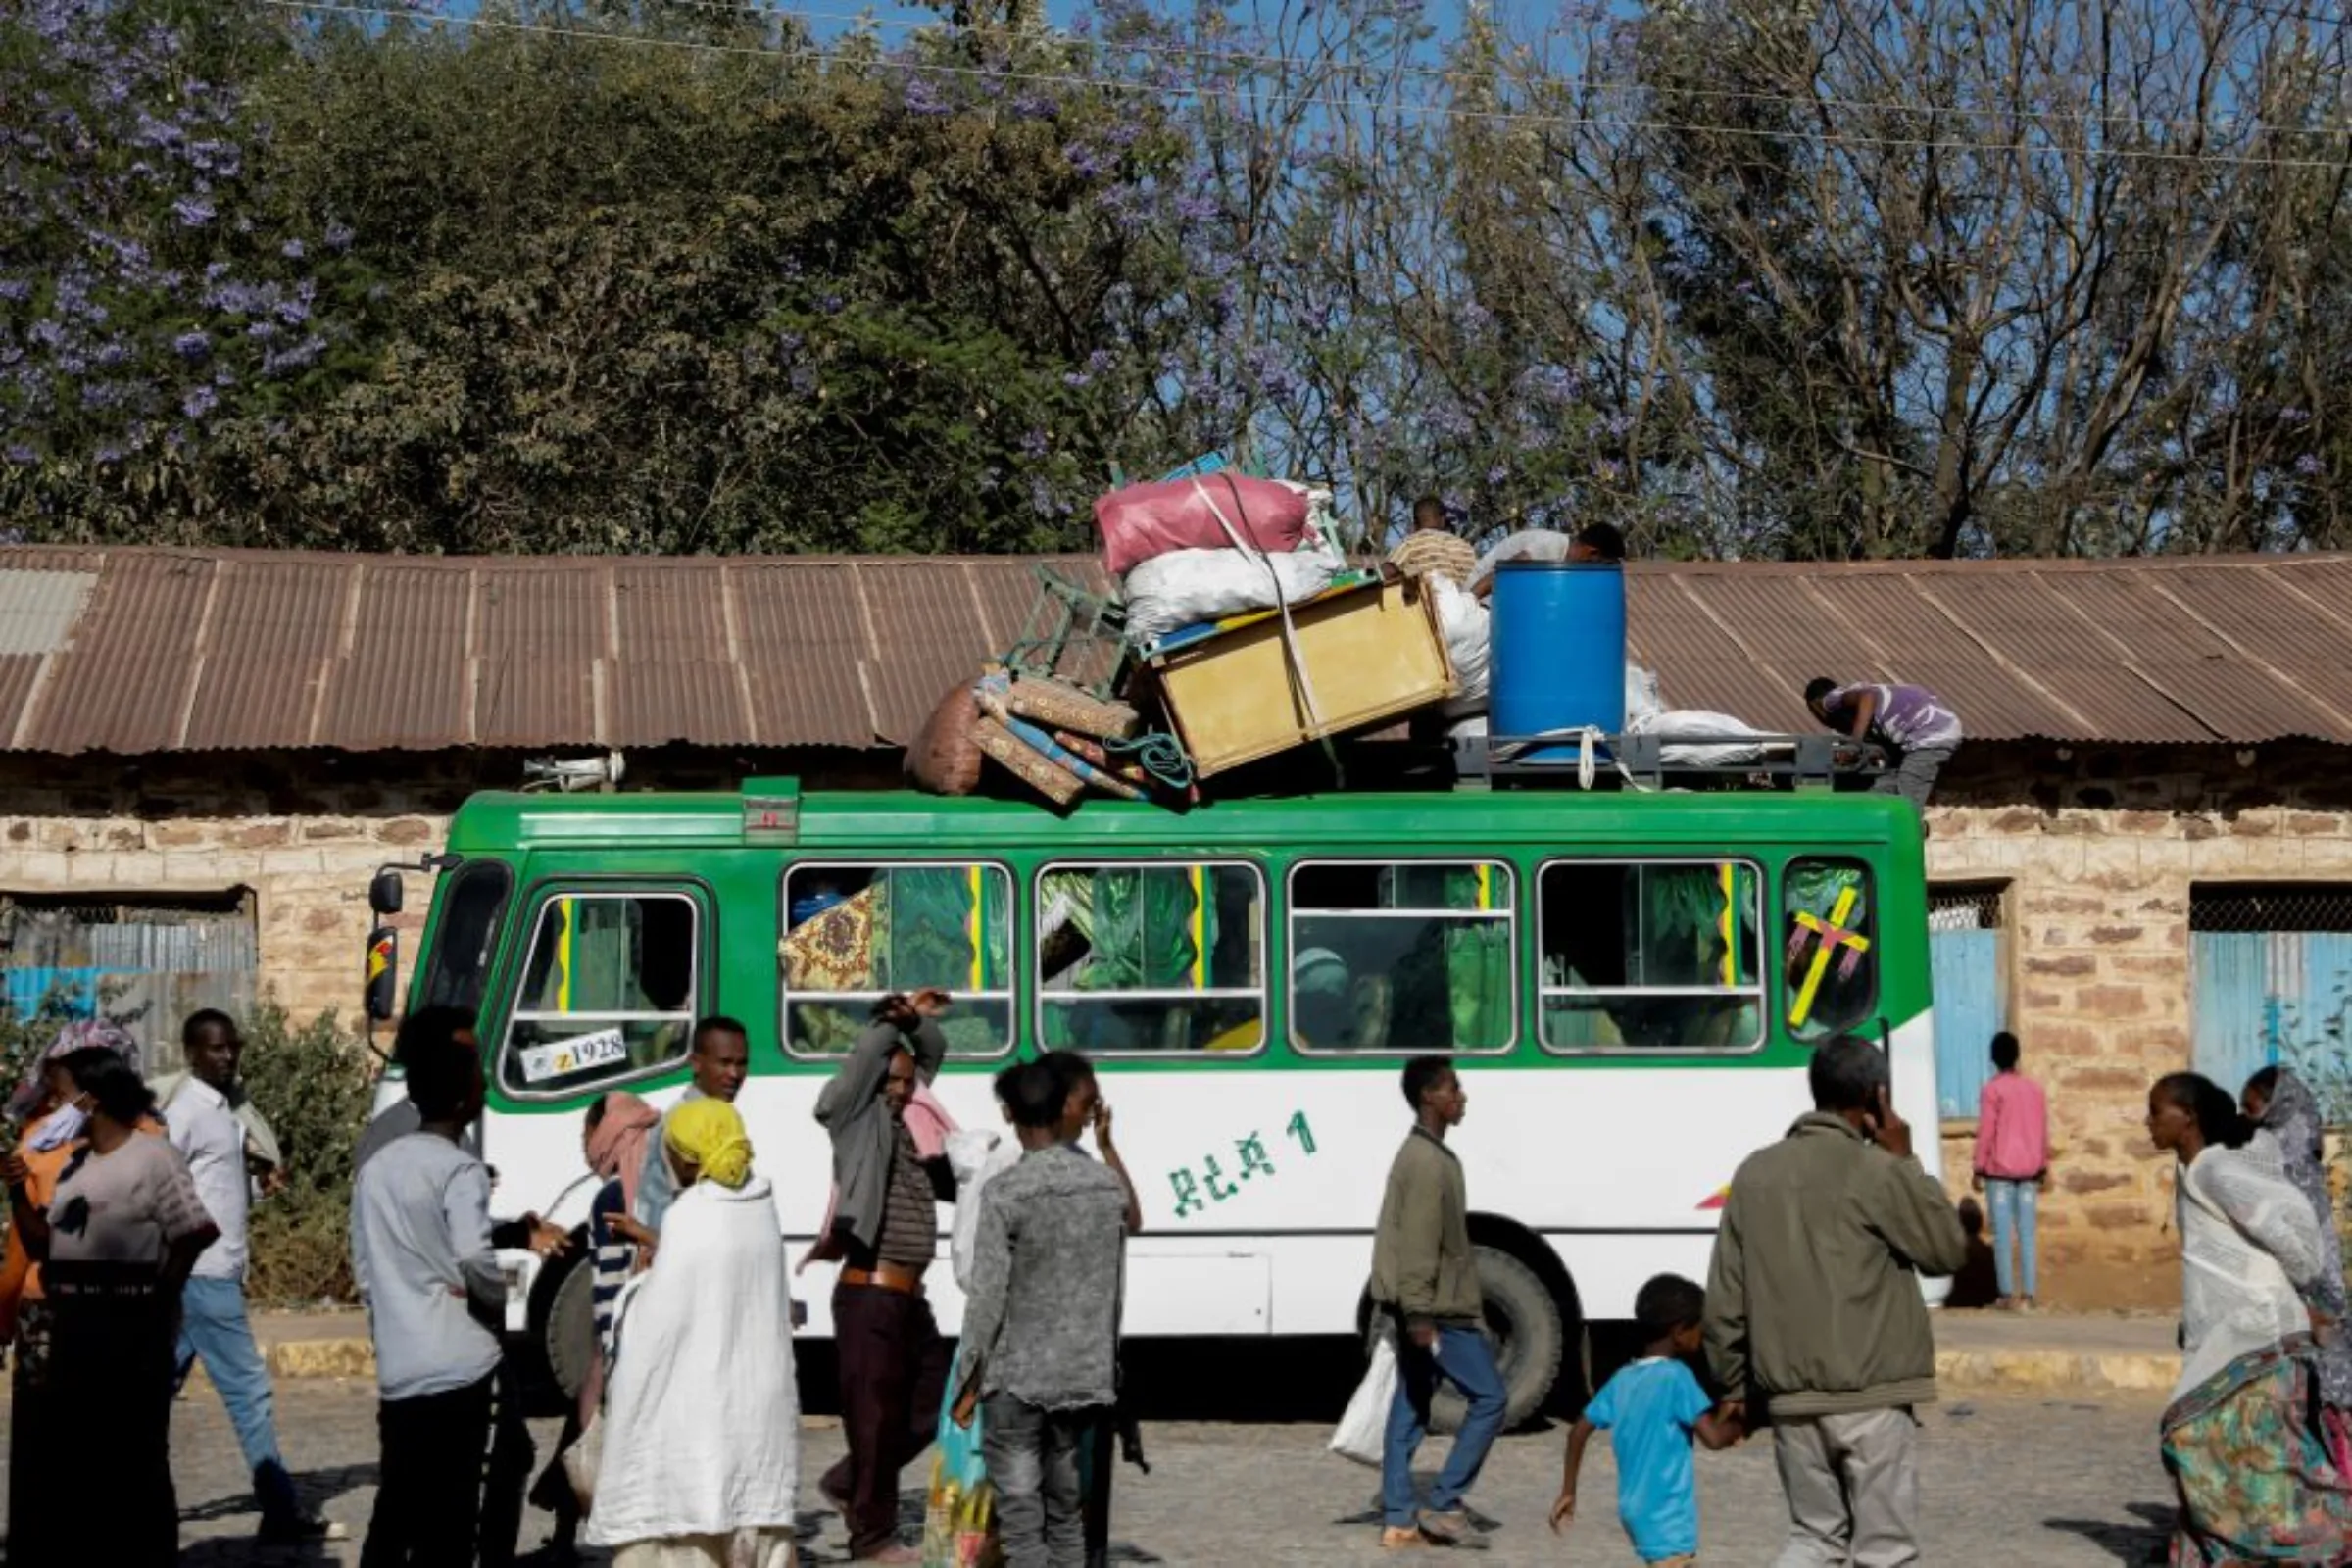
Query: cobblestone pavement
(2006, 1479)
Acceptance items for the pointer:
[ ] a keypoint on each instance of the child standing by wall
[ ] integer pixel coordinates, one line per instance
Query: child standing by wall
(1652, 1409)
(2013, 1168)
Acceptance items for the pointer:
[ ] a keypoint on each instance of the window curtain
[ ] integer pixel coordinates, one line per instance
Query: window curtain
(1458, 988)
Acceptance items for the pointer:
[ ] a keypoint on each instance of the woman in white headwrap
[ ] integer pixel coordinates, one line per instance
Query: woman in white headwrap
(700, 1465)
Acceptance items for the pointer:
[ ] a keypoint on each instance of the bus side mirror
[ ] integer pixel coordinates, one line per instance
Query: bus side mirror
(382, 991)
(384, 892)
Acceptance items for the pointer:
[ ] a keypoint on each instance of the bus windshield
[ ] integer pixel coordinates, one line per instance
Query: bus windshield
(474, 906)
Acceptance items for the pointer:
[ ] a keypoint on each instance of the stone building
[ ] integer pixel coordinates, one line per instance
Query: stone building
(2142, 858)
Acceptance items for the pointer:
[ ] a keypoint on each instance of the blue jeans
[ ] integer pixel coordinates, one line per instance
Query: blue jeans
(213, 1325)
(1459, 1358)
(2012, 1205)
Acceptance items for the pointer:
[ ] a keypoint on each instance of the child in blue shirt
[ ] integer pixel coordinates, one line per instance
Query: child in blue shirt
(1651, 1410)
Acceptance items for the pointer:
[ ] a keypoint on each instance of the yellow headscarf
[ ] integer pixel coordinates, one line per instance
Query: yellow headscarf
(709, 1132)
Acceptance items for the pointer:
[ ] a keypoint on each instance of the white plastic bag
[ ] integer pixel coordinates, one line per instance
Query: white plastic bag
(975, 1156)
(1364, 1428)
(1463, 622)
(1643, 698)
(1688, 724)
(1185, 587)
(1527, 544)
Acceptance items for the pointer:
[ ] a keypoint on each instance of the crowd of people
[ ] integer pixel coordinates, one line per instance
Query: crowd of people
(127, 1252)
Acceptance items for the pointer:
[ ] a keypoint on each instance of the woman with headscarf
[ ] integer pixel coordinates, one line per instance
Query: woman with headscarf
(115, 1242)
(2253, 1476)
(44, 1105)
(2284, 1107)
(612, 1141)
(701, 1462)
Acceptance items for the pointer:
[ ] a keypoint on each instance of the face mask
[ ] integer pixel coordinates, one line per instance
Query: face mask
(62, 1128)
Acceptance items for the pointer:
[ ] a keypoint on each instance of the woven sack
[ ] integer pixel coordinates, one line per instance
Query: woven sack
(1051, 704)
(945, 758)
(1026, 763)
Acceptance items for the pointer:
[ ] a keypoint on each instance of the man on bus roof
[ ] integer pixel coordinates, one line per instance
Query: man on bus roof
(1919, 732)
(894, 1365)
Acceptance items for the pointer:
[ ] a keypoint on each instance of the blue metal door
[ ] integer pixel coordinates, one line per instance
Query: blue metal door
(2261, 997)
(1966, 969)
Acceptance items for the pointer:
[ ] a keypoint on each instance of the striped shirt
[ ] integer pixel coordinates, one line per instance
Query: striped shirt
(1432, 550)
(612, 1260)
(909, 1215)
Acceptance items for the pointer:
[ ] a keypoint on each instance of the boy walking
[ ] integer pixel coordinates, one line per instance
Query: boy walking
(1424, 1273)
(2013, 1168)
(1652, 1409)
(1040, 1331)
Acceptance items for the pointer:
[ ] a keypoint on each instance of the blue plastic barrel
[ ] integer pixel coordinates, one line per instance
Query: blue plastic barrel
(1558, 655)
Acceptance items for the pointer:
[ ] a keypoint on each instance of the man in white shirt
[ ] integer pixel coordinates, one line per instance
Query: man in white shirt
(205, 1128)
(420, 1246)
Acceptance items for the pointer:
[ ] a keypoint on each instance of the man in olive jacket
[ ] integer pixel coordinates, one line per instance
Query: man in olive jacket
(1424, 1273)
(1814, 1311)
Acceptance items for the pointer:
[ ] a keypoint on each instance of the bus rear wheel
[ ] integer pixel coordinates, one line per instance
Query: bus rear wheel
(561, 1336)
(1530, 1341)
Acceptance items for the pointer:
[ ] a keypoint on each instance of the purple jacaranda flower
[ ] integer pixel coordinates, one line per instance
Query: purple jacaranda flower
(340, 238)
(22, 456)
(193, 211)
(2309, 465)
(292, 250)
(14, 290)
(194, 347)
(199, 402)
(922, 98)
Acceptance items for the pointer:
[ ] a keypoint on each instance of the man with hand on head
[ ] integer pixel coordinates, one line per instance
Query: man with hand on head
(894, 1365)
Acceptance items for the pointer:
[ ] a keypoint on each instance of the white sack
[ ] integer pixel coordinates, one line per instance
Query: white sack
(976, 1156)
(1683, 721)
(1185, 587)
(1364, 1428)
(1527, 544)
(1643, 698)
(1463, 622)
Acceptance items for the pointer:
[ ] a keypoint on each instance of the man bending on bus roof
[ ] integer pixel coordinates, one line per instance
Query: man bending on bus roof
(720, 1059)
(894, 1365)
(1425, 1274)
(1919, 732)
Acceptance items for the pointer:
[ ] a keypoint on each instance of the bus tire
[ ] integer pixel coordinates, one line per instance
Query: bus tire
(561, 1335)
(1523, 1325)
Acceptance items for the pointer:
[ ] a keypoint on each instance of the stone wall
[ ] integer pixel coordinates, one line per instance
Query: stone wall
(2098, 849)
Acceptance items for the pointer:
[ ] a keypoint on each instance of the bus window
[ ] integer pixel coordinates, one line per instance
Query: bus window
(1651, 956)
(1151, 957)
(853, 934)
(1831, 971)
(1404, 956)
(608, 990)
(472, 913)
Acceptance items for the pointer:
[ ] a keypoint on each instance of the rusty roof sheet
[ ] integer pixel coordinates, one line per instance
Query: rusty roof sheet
(147, 649)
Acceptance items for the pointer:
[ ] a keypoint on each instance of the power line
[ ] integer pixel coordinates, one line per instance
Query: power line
(1251, 96)
(1459, 78)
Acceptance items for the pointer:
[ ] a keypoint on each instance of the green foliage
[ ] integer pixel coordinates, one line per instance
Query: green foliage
(312, 1081)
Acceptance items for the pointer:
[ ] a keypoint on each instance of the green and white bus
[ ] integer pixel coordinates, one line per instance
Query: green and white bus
(1631, 982)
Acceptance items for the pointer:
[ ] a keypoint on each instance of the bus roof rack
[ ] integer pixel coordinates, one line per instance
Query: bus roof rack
(1663, 761)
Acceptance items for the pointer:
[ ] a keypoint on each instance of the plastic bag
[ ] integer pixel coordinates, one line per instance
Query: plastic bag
(976, 1156)
(960, 1515)
(1364, 1428)
(1689, 723)
(1643, 698)
(1527, 544)
(1463, 622)
(1147, 520)
(1187, 587)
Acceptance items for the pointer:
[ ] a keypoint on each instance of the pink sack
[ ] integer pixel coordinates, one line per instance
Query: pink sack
(1145, 521)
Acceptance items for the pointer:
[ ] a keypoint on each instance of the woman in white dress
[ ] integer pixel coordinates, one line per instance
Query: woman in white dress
(2242, 1437)
(701, 1463)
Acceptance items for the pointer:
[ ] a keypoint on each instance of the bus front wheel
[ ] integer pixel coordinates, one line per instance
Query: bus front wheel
(1524, 1325)
(562, 1336)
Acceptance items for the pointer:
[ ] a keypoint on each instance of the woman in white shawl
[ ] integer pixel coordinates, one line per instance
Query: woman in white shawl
(2242, 1437)
(701, 1462)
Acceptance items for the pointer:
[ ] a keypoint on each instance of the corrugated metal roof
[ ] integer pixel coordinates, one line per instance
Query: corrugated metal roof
(136, 650)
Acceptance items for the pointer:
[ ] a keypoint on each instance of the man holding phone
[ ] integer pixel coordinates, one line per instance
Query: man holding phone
(1814, 1311)
(894, 1365)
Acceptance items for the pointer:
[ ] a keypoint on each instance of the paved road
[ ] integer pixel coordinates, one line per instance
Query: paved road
(2006, 1479)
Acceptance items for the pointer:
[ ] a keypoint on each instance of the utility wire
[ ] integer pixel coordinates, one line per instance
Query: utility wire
(1244, 95)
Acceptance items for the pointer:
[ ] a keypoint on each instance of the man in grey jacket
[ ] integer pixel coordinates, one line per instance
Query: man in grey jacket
(1814, 1311)
(894, 1365)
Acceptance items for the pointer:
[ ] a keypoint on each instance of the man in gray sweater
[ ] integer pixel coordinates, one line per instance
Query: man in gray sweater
(1814, 1311)
(1425, 1274)
(894, 1365)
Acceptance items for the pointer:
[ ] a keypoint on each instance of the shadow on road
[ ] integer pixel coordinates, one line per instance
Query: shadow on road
(2142, 1543)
